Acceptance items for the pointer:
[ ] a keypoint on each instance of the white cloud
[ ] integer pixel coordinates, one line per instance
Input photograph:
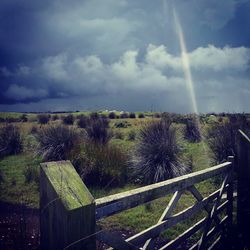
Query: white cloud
(155, 74)
(208, 58)
(54, 67)
(219, 59)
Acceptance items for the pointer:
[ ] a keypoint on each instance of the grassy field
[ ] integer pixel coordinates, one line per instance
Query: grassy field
(20, 173)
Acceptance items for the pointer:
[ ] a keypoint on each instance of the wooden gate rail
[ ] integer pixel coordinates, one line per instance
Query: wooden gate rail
(63, 196)
(113, 204)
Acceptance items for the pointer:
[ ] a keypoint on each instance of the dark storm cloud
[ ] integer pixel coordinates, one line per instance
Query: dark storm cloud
(99, 54)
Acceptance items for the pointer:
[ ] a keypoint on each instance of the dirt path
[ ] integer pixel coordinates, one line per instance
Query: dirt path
(19, 227)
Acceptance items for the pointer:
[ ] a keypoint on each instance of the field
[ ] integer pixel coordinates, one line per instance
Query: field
(20, 172)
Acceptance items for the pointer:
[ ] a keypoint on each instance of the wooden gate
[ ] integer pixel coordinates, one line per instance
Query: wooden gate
(70, 202)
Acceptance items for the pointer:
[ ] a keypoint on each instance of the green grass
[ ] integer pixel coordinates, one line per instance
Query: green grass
(14, 188)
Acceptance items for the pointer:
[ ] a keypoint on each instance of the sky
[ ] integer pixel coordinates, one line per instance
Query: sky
(60, 55)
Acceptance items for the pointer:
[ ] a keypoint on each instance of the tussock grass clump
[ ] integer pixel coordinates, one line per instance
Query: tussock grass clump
(118, 135)
(10, 140)
(157, 154)
(57, 142)
(43, 118)
(82, 121)
(124, 115)
(112, 115)
(68, 119)
(1, 176)
(98, 131)
(123, 124)
(94, 115)
(222, 137)
(55, 117)
(132, 115)
(103, 165)
(23, 118)
(141, 115)
(131, 135)
(192, 131)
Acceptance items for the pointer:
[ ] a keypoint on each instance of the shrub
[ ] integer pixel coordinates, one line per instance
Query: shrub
(157, 115)
(31, 174)
(24, 118)
(43, 118)
(98, 131)
(103, 165)
(68, 119)
(131, 135)
(12, 119)
(1, 176)
(118, 135)
(157, 153)
(55, 117)
(112, 115)
(222, 138)
(192, 131)
(141, 115)
(58, 142)
(33, 129)
(82, 121)
(10, 140)
(124, 124)
(132, 115)
(124, 115)
(94, 115)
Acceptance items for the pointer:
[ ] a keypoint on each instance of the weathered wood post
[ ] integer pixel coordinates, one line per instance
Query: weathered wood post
(243, 190)
(67, 209)
(230, 191)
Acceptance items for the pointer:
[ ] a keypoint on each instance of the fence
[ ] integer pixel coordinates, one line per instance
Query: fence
(69, 212)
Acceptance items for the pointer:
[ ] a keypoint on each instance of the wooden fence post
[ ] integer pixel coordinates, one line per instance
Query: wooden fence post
(230, 191)
(243, 190)
(67, 209)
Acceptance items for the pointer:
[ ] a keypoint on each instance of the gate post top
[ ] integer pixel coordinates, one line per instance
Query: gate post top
(67, 184)
(67, 209)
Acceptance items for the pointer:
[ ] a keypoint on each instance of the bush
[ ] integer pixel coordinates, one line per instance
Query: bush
(98, 130)
(103, 165)
(157, 115)
(10, 140)
(1, 176)
(31, 174)
(124, 124)
(43, 118)
(58, 142)
(33, 129)
(82, 121)
(132, 115)
(222, 138)
(24, 118)
(141, 115)
(124, 115)
(118, 135)
(68, 119)
(192, 131)
(55, 117)
(94, 115)
(12, 119)
(131, 135)
(157, 154)
(112, 115)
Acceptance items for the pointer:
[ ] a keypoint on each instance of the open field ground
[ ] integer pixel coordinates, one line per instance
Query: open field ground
(20, 172)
